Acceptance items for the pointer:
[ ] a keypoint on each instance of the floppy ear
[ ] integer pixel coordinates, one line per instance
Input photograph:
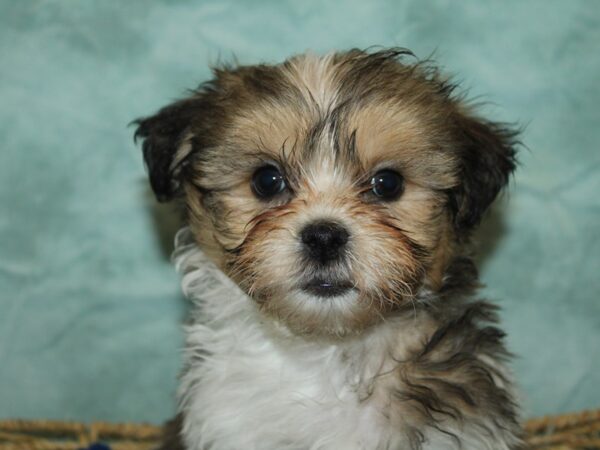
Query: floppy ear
(167, 145)
(487, 158)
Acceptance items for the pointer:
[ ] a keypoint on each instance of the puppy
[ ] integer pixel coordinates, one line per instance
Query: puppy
(330, 201)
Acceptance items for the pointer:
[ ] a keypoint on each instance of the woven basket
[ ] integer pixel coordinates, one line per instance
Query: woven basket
(579, 431)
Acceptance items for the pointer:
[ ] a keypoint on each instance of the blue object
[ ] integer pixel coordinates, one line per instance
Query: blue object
(97, 446)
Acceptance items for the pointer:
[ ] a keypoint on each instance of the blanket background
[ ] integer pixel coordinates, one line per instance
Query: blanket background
(90, 309)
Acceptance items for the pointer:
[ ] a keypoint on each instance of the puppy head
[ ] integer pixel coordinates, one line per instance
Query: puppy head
(331, 189)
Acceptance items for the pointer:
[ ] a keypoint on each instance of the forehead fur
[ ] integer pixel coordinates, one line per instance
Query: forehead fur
(367, 109)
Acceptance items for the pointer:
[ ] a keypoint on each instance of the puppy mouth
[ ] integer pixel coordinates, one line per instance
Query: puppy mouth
(327, 288)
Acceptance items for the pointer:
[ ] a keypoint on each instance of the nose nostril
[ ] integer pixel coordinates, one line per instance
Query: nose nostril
(340, 238)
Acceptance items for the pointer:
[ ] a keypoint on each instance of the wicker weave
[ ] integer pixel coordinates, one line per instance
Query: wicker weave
(578, 431)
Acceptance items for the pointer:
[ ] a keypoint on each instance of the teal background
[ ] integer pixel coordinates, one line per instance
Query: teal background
(90, 309)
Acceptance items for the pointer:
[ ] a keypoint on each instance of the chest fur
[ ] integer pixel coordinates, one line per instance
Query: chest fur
(249, 384)
(245, 386)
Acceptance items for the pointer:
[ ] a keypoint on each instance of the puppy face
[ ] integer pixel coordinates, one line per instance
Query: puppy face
(331, 189)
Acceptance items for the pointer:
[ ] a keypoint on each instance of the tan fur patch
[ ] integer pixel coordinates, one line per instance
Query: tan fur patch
(329, 132)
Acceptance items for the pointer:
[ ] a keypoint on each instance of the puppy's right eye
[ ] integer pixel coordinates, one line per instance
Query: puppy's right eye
(267, 182)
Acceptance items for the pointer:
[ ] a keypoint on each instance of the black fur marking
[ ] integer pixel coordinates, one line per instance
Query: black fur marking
(162, 135)
(488, 157)
(448, 380)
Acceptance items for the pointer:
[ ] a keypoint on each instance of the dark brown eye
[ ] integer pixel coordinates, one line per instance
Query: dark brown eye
(387, 184)
(267, 182)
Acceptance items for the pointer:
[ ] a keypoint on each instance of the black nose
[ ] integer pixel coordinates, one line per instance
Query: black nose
(324, 241)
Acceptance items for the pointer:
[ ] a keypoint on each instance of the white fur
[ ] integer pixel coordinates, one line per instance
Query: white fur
(249, 384)
(313, 75)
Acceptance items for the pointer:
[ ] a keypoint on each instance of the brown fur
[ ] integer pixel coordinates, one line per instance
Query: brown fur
(329, 123)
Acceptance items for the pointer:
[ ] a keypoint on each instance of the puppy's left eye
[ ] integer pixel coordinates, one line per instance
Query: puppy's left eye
(387, 184)
(267, 182)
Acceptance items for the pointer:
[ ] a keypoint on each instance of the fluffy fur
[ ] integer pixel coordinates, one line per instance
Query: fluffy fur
(407, 358)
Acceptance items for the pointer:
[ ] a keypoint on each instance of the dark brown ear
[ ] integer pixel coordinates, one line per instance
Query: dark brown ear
(487, 158)
(168, 141)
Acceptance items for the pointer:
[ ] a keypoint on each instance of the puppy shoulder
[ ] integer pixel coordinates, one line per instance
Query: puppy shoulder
(456, 390)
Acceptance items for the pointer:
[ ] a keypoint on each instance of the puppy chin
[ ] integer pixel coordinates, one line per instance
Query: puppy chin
(334, 312)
